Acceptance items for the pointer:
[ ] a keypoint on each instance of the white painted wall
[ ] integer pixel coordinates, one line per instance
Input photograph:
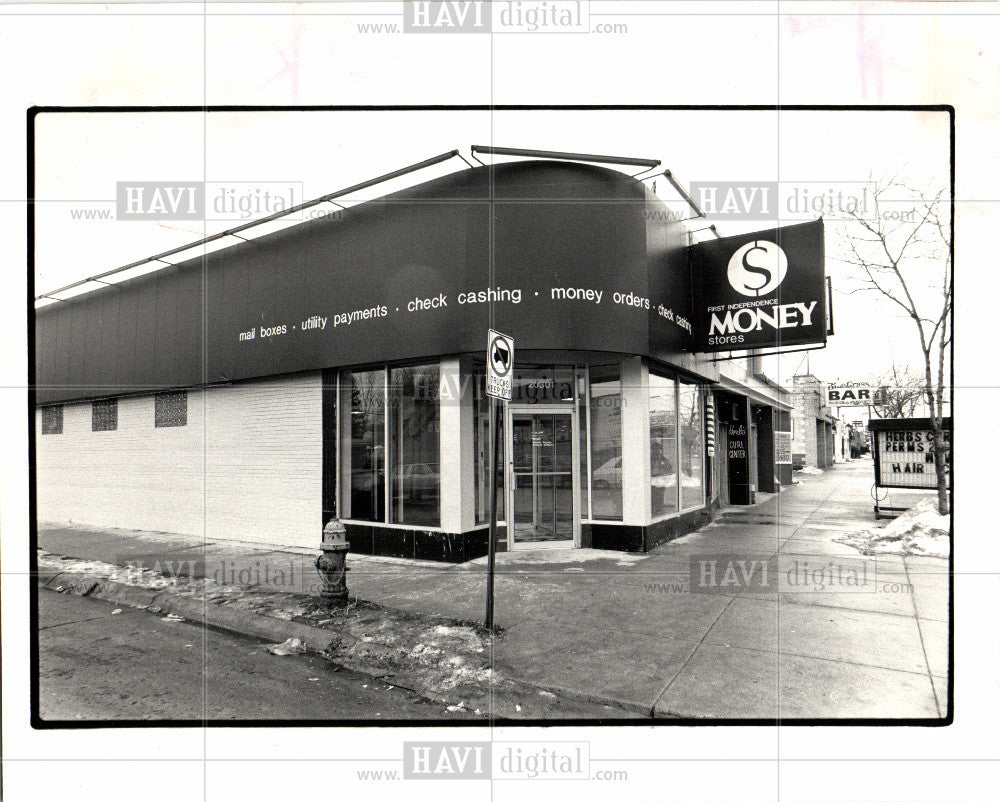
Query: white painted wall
(247, 466)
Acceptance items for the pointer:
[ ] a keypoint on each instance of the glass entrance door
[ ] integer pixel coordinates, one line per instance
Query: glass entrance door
(543, 490)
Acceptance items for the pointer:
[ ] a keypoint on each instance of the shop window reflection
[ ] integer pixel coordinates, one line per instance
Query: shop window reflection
(367, 445)
(606, 442)
(692, 447)
(414, 445)
(662, 445)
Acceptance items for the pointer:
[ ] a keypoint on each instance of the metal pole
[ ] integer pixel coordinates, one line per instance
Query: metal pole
(495, 444)
(271, 217)
(558, 154)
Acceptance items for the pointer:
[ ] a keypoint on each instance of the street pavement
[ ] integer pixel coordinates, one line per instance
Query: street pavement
(99, 665)
(644, 633)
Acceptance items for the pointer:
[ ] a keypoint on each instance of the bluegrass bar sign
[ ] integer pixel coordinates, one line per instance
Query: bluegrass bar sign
(766, 289)
(850, 395)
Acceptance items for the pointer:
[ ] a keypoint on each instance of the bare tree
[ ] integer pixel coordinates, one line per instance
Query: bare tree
(900, 392)
(903, 253)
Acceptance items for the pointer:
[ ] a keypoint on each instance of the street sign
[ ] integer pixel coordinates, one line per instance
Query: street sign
(499, 365)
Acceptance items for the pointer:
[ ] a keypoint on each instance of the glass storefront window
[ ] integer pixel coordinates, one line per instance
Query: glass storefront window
(606, 442)
(662, 445)
(414, 445)
(367, 433)
(692, 447)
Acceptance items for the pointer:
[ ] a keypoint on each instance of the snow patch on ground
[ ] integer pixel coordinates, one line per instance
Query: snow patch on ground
(918, 531)
(523, 556)
(809, 470)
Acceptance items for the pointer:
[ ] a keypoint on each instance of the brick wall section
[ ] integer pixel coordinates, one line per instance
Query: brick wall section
(806, 404)
(814, 435)
(247, 466)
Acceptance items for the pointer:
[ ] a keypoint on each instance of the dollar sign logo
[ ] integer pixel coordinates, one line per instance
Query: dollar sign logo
(757, 268)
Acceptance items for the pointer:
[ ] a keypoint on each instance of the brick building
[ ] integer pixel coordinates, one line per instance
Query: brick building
(814, 426)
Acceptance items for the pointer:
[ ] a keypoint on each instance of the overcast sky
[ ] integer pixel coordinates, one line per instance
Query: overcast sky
(80, 157)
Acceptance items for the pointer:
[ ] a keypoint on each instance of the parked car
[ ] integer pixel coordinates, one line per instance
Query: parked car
(420, 476)
(609, 474)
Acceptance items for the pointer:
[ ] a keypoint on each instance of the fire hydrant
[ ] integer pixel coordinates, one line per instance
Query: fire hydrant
(332, 563)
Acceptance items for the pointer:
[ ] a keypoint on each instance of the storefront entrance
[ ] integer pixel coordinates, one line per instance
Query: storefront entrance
(543, 486)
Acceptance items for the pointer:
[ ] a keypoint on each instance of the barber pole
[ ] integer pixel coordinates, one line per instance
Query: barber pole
(710, 425)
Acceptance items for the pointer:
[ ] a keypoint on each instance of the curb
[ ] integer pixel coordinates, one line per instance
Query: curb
(200, 612)
(316, 640)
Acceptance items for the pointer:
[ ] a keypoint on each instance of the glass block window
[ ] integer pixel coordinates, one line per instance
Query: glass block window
(171, 409)
(104, 415)
(52, 420)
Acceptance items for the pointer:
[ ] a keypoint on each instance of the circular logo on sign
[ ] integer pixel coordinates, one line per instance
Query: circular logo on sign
(757, 268)
(500, 356)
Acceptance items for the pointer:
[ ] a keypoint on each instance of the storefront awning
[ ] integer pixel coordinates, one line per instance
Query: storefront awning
(757, 393)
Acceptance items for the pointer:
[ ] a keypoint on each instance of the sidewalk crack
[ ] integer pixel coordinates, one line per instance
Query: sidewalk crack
(687, 660)
(923, 645)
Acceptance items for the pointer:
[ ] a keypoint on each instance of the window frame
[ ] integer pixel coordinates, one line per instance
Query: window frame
(47, 427)
(675, 384)
(167, 422)
(394, 463)
(111, 406)
(344, 428)
(591, 464)
(701, 391)
(700, 395)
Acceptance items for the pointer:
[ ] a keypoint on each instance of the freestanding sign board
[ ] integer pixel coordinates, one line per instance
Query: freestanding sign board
(904, 452)
(761, 290)
(499, 365)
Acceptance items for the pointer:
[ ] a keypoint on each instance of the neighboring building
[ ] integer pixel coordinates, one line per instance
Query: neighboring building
(336, 369)
(860, 438)
(814, 426)
(745, 394)
(841, 441)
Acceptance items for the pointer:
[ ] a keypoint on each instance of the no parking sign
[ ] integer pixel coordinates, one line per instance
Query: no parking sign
(499, 365)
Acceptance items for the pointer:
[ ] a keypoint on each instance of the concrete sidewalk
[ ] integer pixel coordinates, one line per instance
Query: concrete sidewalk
(636, 632)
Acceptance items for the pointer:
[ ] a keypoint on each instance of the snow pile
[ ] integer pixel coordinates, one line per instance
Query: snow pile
(920, 530)
(290, 646)
(525, 555)
(810, 470)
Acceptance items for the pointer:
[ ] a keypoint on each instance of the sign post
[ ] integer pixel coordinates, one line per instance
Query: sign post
(499, 386)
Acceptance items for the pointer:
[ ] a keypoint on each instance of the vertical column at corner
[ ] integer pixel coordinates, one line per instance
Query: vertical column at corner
(457, 489)
(635, 443)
